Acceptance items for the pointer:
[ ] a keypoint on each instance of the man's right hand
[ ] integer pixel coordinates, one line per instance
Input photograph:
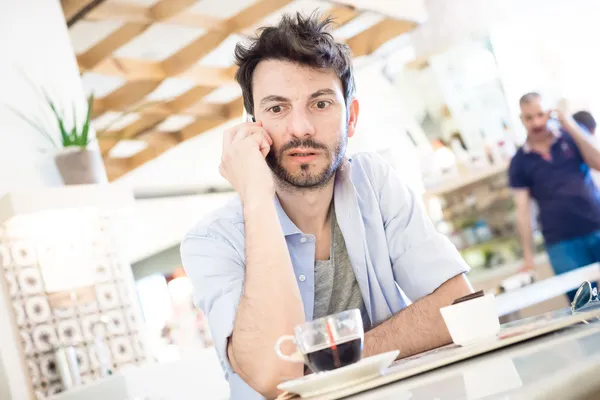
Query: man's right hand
(243, 164)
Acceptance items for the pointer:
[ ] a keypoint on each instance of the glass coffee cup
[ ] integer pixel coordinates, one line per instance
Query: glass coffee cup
(327, 343)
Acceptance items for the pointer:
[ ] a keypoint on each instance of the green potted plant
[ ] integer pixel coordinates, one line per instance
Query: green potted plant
(76, 161)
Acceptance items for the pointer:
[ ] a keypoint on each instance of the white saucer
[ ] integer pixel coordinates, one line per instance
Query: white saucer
(325, 382)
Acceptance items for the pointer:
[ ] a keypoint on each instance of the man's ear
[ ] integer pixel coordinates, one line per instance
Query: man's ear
(352, 117)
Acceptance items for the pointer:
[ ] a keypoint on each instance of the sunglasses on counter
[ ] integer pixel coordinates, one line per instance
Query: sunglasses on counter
(584, 295)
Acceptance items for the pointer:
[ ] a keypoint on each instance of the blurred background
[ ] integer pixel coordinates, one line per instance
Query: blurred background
(117, 107)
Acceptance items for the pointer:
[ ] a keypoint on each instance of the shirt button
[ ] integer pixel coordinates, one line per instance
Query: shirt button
(302, 278)
(303, 239)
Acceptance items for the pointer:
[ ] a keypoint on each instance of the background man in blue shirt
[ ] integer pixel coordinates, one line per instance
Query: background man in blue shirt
(553, 167)
(312, 231)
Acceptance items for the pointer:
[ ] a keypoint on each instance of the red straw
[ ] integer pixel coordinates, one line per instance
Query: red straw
(336, 356)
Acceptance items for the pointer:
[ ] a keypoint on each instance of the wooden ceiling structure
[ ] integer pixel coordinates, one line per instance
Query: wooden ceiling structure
(135, 114)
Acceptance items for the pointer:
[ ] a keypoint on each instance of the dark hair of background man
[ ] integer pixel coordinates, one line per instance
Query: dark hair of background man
(586, 119)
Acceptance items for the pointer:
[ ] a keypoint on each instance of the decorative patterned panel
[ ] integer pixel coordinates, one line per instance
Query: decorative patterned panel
(43, 328)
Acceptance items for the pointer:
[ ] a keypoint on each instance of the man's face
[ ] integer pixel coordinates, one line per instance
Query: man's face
(303, 110)
(534, 117)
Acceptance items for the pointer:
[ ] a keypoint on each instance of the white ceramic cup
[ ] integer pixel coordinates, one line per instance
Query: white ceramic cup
(472, 321)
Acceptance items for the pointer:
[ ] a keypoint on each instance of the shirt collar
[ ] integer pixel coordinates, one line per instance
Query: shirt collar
(287, 225)
(557, 133)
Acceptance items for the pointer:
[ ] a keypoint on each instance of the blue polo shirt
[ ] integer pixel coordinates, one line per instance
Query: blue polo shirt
(568, 199)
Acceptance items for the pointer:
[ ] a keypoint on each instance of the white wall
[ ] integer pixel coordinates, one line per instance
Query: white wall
(382, 123)
(161, 223)
(34, 38)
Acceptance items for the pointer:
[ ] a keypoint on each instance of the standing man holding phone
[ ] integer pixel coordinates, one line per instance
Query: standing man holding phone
(553, 168)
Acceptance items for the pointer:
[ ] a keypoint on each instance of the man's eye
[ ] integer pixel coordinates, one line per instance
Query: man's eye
(276, 109)
(322, 104)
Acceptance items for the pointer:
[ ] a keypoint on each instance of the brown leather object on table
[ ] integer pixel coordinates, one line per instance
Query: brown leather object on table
(469, 297)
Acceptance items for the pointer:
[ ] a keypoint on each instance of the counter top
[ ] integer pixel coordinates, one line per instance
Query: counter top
(542, 368)
(478, 275)
(471, 176)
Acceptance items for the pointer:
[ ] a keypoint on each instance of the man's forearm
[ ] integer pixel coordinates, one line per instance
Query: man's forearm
(420, 326)
(270, 305)
(526, 235)
(588, 151)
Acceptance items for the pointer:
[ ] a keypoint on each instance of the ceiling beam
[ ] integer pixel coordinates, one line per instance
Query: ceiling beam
(95, 54)
(116, 167)
(184, 63)
(134, 91)
(154, 115)
(204, 110)
(369, 40)
(180, 62)
(131, 12)
(159, 142)
(233, 109)
(130, 70)
(196, 50)
(74, 10)
(342, 15)
(128, 95)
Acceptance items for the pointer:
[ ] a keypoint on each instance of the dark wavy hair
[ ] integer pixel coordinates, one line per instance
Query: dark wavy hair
(305, 40)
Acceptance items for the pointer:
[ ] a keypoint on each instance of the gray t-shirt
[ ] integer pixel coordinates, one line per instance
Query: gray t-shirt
(336, 287)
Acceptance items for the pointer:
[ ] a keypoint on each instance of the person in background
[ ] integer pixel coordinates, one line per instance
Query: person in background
(312, 231)
(553, 168)
(585, 119)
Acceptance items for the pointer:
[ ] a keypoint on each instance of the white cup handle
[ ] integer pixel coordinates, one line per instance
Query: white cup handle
(294, 357)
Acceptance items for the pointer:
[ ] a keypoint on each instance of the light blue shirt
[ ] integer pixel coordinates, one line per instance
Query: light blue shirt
(395, 251)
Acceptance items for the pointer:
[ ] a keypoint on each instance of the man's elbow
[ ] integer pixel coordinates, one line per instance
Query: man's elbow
(266, 382)
(267, 387)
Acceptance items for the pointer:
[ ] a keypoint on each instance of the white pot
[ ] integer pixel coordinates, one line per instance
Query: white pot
(80, 166)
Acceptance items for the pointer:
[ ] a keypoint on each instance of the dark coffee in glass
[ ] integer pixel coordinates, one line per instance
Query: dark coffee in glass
(327, 343)
(336, 356)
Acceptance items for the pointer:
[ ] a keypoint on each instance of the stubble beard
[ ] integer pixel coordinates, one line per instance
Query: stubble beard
(304, 180)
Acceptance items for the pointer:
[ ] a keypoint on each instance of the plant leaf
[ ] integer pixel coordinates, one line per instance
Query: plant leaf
(40, 93)
(73, 136)
(86, 125)
(32, 123)
(74, 130)
(63, 132)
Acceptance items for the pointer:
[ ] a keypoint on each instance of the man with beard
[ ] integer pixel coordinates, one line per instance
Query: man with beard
(313, 232)
(553, 168)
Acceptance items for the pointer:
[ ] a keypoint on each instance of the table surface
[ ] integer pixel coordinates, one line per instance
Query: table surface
(540, 366)
(545, 289)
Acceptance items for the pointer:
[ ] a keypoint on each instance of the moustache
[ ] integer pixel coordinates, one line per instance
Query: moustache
(308, 143)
